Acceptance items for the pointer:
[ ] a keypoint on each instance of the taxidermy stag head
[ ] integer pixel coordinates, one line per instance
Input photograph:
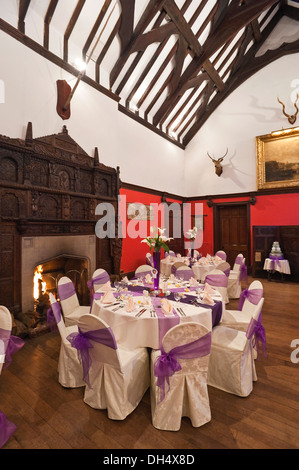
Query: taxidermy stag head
(217, 163)
(293, 117)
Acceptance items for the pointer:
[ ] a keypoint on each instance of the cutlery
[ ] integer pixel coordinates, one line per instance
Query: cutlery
(117, 308)
(182, 312)
(140, 313)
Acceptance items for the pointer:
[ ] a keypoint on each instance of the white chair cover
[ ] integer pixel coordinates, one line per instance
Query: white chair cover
(118, 378)
(240, 319)
(225, 267)
(99, 278)
(231, 365)
(71, 308)
(234, 286)
(187, 394)
(69, 368)
(5, 325)
(149, 259)
(184, 272)
(221, 254)
(213, 277)
(143, 270)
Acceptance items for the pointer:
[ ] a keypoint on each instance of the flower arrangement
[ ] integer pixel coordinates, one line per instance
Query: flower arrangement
(158, 240)
(192, 233)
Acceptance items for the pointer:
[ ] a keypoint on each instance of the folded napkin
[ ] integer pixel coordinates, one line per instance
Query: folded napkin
(105, 287)
(125, 279)
(164, 286)
(207, 299)
(148, 278)
(130, 305)
(208, 289)
(218, 259)
(178, 255)
(108, 298)
(172, 278)
(166, 307)
(186, 261)
(193, 282)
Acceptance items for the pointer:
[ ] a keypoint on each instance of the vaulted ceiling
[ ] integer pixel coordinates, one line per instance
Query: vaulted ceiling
(168, 63)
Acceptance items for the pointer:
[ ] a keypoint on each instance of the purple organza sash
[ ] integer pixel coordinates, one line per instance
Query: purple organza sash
(256, 331)
(216, 280)
(185, 274)
(253, 296)
(12, 344)
(165, 322)
(221, 255)
(167, 363)
(7, 428)
(82, 342)
(227, 272)
(100, 279)
(53, 316)
(243, 272)
(239, 260)
(277, 259)
(66, 291)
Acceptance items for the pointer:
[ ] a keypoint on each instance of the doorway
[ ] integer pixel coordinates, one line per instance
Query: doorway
(232, 230)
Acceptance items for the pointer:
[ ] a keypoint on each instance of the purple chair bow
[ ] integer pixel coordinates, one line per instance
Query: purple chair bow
(256, 331)
(102, 278)
(167, 363)
(7, 428)
(243, 273)
(12, 344)
(82, 342)
(253, 296)
(53, 316)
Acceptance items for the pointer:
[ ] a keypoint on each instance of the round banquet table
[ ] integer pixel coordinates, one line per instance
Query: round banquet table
(148, 329)
(167, 263)
(281, 266)
(201, 270)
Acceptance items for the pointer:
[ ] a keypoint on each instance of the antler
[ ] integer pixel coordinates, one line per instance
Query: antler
(291, 118)
(213, 159)
(221, 158)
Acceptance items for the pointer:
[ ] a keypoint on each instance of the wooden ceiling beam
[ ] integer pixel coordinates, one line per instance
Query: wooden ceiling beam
(95, 28)
(23, 8)
(71, 26)
(256, 30)
(48, 18)
(152, 8)
(183, 27)
(235, 19)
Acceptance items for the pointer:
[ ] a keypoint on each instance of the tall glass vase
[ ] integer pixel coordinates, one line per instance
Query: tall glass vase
(156, 260)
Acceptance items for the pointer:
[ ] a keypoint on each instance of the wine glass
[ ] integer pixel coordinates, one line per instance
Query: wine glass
(177, 296)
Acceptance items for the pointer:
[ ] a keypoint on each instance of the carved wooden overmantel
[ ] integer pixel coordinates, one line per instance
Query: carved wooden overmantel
(50, 186)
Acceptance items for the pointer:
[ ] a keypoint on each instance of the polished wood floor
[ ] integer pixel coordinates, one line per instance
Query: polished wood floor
(51, 417)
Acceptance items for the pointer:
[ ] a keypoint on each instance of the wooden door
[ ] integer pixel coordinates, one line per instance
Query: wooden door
(232, 231)
(10, 267)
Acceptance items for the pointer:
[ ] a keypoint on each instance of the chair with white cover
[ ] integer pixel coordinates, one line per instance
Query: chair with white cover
(149, 259)
(225, 267)
(69, 368)
(183, 272)
(221, 254)
(8, 345)
(170, 253)
(239, 319)
(71, 308)
(231, 364)
(234, 286)
(116, 379)
(143, 270)
(99, 278)
(179, 377)
(218, 280)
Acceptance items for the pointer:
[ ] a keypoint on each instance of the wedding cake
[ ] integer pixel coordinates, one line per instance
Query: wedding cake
(276, 251)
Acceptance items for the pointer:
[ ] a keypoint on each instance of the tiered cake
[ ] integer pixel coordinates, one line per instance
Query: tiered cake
(276, 251)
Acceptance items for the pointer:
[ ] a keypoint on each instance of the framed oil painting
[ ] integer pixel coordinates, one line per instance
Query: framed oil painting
(138, 211)
(278, 159)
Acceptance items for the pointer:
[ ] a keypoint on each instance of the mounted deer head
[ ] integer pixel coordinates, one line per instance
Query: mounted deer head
(293, 117)
(217, 163)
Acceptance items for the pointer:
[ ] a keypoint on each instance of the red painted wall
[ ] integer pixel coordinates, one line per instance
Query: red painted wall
(278, 209)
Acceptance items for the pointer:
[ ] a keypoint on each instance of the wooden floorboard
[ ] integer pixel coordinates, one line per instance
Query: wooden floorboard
(49, 416)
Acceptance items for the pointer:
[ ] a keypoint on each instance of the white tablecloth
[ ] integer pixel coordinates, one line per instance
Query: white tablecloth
(282, 267)
(201, 270)
(132, 332)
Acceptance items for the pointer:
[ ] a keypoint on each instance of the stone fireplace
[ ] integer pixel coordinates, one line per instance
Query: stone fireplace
(49, 190)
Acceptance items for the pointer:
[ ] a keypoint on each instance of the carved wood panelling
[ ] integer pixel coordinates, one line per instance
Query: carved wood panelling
(50, 186)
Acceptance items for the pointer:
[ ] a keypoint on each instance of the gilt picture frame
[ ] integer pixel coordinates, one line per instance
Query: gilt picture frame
(138, 211)
(277, 157)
